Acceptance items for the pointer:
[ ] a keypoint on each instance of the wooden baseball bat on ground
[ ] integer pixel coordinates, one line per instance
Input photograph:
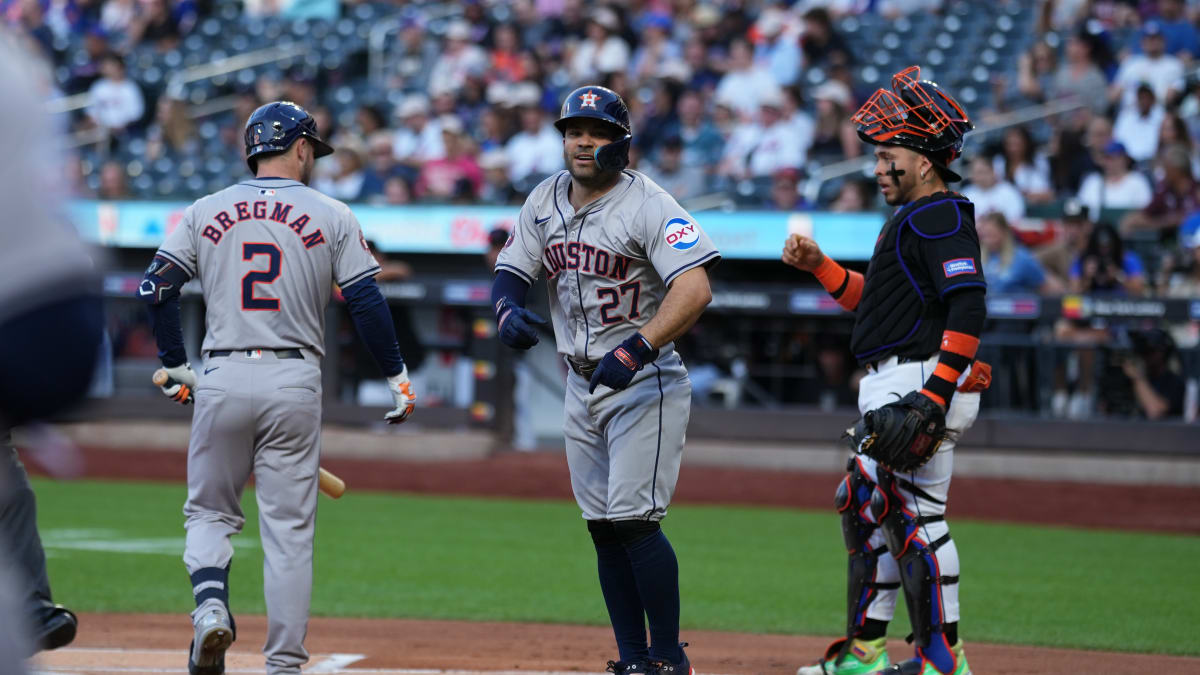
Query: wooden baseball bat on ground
(329, 483)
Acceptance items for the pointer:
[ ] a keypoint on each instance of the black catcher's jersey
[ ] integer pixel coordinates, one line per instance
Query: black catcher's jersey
(927, 251)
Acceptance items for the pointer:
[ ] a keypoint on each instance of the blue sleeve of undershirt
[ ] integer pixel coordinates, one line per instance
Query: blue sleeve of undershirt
(167, 326)
(509, 286)
(371, 317)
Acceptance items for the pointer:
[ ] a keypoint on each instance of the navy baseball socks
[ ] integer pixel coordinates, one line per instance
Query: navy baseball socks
(214, 628)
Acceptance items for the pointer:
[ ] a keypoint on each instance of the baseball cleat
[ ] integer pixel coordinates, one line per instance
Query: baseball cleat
(863, 657)
(57, 630)
(920, 666)
(214, 634)
(684, 667)
(631, 668)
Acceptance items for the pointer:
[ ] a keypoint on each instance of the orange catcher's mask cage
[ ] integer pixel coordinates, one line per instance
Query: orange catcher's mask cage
(916, 114)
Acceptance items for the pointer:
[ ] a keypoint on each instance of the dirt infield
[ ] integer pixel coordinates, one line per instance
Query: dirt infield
(126, 643)
(135, 643)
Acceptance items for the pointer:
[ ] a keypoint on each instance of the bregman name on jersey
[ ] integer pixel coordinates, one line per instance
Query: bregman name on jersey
(279, 212)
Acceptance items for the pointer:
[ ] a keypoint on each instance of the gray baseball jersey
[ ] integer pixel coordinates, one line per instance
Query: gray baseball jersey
(608, 268)
(609, 265)
(266, 252)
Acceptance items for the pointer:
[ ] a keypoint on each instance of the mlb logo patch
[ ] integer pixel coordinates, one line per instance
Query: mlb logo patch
(959, 266)
(681, 234)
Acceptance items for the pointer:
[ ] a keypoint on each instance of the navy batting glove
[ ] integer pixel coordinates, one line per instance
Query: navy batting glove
(515, 326)
(618, 367)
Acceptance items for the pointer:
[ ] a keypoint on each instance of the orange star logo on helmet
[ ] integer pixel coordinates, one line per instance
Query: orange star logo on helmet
(589, 99)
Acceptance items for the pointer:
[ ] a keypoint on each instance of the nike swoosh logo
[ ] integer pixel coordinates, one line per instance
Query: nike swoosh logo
(209, 370)
(539, 221)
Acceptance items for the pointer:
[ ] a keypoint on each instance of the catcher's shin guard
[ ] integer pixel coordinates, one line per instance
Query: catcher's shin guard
(852, 499)
(920, 575)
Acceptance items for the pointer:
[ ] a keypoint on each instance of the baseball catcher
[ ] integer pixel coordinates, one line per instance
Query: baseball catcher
(918, 314)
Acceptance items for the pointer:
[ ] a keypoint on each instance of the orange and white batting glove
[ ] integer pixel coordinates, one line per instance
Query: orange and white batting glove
(403, 395)
(181, 384)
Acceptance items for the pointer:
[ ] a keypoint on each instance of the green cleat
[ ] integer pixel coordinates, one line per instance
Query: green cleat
(861, 658)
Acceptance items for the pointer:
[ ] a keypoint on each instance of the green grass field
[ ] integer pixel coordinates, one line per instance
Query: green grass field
(117, 546)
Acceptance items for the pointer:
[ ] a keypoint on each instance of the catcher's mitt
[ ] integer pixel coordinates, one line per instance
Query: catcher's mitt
(903, 435)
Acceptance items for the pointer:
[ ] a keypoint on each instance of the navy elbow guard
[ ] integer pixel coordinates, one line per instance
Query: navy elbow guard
(163, 281)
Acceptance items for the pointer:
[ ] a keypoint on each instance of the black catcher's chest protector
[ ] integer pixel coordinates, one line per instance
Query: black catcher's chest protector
(926, 249)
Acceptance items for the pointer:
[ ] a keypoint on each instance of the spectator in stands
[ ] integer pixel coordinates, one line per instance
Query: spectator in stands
(1037, 70)
(702, 143)
(656, 52)
(1162, 71)
(1118, 187)
(1138, 128)
(1074, 153)
(155, 24)
(1069, 242)
(779, 49)
(419, 140)
(1080, 75)
(112, 181)
(506, 62)
(459, 58)
(85, 72)
(173, 132)
(669, 171)
(346, 183)
(1175, 196)
(1158, 391)
(1106, 266)
(497, 187)
(778, 146)
(741, 136)
(834, 137)
(369, 120)
(990, 194)
(497, 238)
(412, 63)
(854, 196)
(1181, 273)
(381, 166)
(116, 101)
(785, 190)
(745, 83)
(1020, 164)
(1180, 35)
(703, 77)
(116, 16)
(492, 132)
(1008, 266)
(822, 45)
(654, 118)
(1174, 132)
(457, 176)
(798, 118)
(602, 51)
(396, 192)
(536, 150)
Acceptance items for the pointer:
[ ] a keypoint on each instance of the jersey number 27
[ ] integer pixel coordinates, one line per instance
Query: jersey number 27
(274, 258)
(614, 295)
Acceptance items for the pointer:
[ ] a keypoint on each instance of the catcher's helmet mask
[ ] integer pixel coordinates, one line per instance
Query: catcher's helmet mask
(606, 105)
(918, 115)
(274, 127)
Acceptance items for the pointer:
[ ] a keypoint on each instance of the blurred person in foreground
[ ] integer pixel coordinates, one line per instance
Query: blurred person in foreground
(51, 320)
(1009, 266)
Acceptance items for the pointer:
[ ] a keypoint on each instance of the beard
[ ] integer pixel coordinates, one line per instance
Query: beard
(306, 170)
(590, 176)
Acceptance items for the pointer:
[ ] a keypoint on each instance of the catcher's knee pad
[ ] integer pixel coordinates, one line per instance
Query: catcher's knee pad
(852, 499)
(920, 575)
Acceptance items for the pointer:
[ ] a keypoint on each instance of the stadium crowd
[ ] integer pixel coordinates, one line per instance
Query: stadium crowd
(735, 100)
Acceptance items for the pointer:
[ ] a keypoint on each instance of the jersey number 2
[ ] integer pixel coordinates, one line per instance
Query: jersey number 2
(614, 299)
(269, 275)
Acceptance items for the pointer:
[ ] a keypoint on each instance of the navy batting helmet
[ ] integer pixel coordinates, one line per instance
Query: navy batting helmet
(915, 114)
(601, 103)
(275, 126)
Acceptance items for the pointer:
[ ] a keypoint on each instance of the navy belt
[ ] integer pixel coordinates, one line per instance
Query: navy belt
(279, 353)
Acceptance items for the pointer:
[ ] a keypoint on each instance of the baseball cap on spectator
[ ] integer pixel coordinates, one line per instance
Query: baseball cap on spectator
(524, 94)
(771, 98)
(1152, 28)
(451, 124)
(769, 23)
(1116, 148)
(458, 30)
(606, 18)
(834, 91)
(656, 20)
(493, 159)
(413, 104)
(1074, 211)
(705, 16)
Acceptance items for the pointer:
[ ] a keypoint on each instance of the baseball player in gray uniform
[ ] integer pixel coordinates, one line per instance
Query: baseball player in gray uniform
(267, 252)
(626, 269)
